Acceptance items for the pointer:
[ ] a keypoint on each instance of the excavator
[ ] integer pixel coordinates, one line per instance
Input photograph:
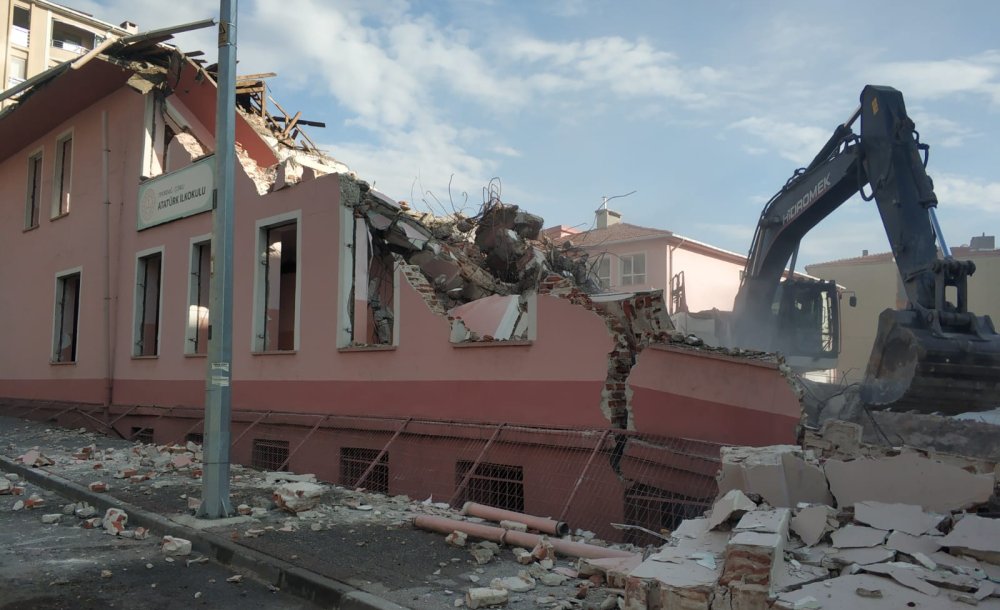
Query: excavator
(934, 356)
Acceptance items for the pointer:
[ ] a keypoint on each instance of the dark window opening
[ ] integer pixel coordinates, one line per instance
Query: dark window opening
(142, 435)
(66, 318)
(658, 510)
(195, 437)
(280, 263)
(495, 485)
(64, 175)
(34, 191)
(22, 18)
(147, 315)
(354, 461)
(198, 309)
(269, 455)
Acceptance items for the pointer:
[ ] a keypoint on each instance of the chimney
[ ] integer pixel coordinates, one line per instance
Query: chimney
(129, 27)
(606, 218)
(864, 253)
(983, 242)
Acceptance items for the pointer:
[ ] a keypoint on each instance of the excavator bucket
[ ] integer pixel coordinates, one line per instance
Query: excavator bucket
(913, 368)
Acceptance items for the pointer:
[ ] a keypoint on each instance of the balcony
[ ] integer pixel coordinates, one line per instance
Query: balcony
(13, 81)
(70, 46)
(19, 36)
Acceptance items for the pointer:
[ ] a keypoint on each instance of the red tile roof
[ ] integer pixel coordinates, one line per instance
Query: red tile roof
(884, 257)
(619, 232)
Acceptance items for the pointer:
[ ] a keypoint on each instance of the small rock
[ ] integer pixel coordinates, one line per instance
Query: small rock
(149, 566)
(609, 602)
(175, 546)
(105, 573)
(98, 487)
(51, 518)
(236, 578)
(551, 579)
(197, 594)
(18, 505)
(482, 556)
(482, 597)
(876, 593)
(456, 538)
(523, 556)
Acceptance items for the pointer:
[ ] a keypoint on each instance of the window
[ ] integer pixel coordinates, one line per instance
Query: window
(633, 269)
(277, 287)
(198, 298)
(269, 455)
(67, 317)
(146, 335)
(21, 27)
(34, 190)
(63, 175)
(354, 461)
(496, 485)
(602, 272)
(17, 71)
(657, 510)
(142, 435)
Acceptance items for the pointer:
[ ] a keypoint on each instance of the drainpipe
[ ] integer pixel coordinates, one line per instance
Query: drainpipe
(109, 383)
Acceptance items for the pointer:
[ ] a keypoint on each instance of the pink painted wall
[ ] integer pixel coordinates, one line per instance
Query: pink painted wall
(708, 282)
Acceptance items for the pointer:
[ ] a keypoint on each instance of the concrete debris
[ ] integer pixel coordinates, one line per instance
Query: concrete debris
(298, 496)
(908, 478)
(521, 583)
(456, 538)
(784, 475)
(905, 518)
(51, 518)
(977, 537)
(35, 459)
(172, 546)
(811, 523)
(857, 536)
(235, 579)
(484, 597)
(114, 521)
(734, 503)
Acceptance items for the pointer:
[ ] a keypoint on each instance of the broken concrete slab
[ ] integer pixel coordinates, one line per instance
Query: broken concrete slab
(298, 496)
(907, 518)
(908, 478)
(482, 597)
(976, 536)
(734, 502)
(905, 574)
(672, 580)
(778, 473)
(774, 521)
(845, 593)
(754, 558)
(857, 536)
(905, 543)
(810, 523)
(861, 556)
(172, 546)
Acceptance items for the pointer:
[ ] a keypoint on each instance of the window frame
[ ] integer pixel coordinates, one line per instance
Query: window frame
(61, 192)
(191, 331)
(632, 278)
(33, 189)
(139, 297)
(59, 316)
(258, 338)
(604, 282)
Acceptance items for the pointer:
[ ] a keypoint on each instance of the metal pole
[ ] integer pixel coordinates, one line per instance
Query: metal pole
(215, 502)
(945, 250)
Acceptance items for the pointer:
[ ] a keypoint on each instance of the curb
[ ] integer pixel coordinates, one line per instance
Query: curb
(290, 578)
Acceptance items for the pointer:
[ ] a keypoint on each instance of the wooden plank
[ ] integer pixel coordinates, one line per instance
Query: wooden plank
(259, 76)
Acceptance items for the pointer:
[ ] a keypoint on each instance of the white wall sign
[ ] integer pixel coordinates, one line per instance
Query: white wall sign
(182, 193)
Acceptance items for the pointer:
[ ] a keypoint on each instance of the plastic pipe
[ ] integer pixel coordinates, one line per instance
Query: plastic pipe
(541, 524)
(568, 548)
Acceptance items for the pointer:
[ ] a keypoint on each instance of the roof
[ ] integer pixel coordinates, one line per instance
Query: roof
(622, 231)
(887, 257)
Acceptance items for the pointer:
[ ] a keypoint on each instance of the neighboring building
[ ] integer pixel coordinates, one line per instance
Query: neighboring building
(693, 276)
(345, 361)
(874, 280)
(37, 35)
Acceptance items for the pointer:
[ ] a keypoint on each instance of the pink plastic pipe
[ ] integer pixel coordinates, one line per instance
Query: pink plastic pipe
(541, 524)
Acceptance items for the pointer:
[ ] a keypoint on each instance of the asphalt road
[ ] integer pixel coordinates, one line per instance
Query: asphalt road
(60, 566)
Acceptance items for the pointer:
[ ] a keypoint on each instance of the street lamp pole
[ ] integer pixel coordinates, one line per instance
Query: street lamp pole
(218, 410)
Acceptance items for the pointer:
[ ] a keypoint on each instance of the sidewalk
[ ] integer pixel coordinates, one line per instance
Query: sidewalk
(352, 550)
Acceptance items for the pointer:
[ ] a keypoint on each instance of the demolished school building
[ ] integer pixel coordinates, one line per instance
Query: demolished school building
(463, 357)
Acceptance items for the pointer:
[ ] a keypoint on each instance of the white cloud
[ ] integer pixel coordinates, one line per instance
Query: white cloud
(978, 74)
(967, 192)
(793, 141)
(940, 131)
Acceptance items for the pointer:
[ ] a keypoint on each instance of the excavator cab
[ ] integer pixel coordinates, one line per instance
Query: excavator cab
(807, 312)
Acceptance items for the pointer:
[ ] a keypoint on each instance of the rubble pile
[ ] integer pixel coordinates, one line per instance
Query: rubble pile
(830, 524)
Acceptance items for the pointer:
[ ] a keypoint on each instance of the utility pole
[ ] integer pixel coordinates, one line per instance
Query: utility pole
(218, 409)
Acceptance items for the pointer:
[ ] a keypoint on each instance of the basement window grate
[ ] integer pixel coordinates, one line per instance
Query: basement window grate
(142, 435)
(657, 510)
(354, 461)
(269, 455)
(195, 437)
(497, 485)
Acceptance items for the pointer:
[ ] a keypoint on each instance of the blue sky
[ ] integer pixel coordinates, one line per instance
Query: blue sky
(703, 108)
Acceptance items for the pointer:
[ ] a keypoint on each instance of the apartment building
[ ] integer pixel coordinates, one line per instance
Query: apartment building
(37, 35)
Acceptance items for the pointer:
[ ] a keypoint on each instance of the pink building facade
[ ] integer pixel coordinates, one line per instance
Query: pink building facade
(104, 314)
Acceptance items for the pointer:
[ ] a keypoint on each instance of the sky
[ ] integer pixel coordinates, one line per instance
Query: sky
(703, 109)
